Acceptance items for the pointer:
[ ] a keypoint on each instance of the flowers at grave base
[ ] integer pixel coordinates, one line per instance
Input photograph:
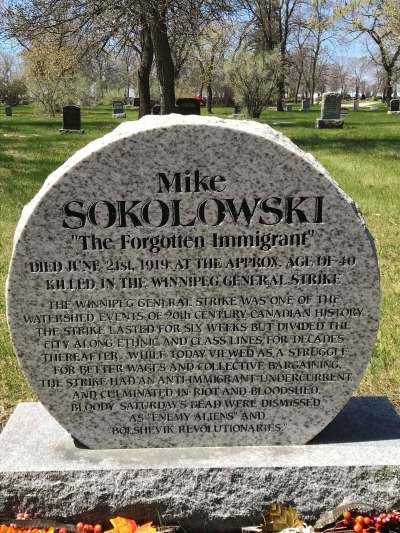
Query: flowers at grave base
(278, 518)
(24, 523)
(370, 523)
(354, 521)
(81, 527)
(13, 528)
(127, 525)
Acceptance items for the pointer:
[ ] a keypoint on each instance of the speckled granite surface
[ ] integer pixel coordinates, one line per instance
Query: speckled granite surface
(202, 489)
(191, 281)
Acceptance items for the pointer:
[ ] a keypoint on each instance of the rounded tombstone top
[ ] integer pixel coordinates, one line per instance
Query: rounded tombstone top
(192, 281)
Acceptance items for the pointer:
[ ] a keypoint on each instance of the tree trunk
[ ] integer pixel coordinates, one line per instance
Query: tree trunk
(388, 89)
(164, 62)
(312, 91)
(296, 93)
(280, 85)
(209, 98)
(146, 61)
(314, 71)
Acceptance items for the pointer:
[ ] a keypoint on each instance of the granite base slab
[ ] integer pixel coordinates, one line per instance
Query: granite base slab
(323, 123)
(357, 457)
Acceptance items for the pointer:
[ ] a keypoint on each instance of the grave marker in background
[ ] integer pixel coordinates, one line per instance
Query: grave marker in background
(305, 104)
(394, 106)
(71, 119)
(330, 111)
(118, 109)
(188, 106)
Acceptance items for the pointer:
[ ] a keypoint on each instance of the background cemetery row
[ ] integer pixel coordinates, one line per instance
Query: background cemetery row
(253, 52)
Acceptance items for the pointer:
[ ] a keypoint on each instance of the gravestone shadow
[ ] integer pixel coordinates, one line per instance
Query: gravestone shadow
(363, 419)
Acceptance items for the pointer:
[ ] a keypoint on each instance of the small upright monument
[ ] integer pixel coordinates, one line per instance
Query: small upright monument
(188, 106)
(118, 109)
(305, 104)
(71, 119)
(330, 111)
(394, 107)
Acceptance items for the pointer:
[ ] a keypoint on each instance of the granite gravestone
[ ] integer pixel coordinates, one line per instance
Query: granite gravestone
(394, 106)
(226, 296)
(289, 108)
(8, 110)
(71, 119)
(188, 106)
(118, 109)
(305, 104)
(330, 111)
(156, 109)
(356, 104)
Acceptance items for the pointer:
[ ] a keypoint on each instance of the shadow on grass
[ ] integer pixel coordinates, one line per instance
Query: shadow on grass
(346, 143)
(55, 124)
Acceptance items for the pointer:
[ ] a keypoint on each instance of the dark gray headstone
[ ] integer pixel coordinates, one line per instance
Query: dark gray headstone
(118, 107)
(330, 111)
(395, 104)
(156, 109)
(305, 104)
(71, 118)
(8, 110)
(136, 102)
(188, 106)
(331, 106)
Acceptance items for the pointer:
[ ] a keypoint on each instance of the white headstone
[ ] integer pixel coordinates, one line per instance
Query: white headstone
(192, 281)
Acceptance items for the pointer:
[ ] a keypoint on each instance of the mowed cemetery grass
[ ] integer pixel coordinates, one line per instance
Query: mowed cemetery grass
(364, 158)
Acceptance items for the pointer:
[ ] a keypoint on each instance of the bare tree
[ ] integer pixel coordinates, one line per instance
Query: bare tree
(274, 21)
(369, 17)
(144, 25)
(209, 51)
(358, 67)
(262, 31)
(339, 76)
(319, 26)
(254, 78)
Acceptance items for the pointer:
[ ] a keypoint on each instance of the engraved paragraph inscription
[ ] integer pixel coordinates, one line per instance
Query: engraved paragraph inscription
(189, 281)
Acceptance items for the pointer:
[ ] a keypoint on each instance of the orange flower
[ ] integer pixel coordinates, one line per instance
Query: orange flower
(126, 525)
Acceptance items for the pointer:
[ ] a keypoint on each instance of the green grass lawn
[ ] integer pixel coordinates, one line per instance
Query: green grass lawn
(364, 158)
